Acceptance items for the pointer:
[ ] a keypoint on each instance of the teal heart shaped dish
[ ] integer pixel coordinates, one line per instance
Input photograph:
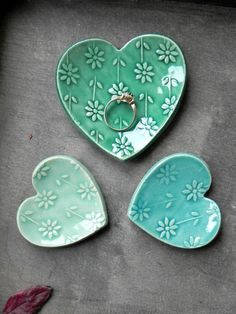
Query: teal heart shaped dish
(170, 203)
(93, 72)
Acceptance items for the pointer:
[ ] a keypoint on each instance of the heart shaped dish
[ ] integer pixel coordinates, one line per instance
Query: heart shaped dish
(169, 203)
(68, 206)
(93, 71)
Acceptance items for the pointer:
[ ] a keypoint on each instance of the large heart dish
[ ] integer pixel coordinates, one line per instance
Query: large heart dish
(93, 71)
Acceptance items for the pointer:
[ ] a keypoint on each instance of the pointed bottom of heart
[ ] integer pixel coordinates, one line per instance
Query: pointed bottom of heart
(169, 203)
(67, 208)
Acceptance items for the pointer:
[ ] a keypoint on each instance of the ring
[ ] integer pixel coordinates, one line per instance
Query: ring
(127, 98)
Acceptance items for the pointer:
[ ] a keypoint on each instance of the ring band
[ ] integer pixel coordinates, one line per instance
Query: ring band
(127, 98)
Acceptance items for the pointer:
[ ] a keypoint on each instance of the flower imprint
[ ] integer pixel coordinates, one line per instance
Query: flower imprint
(167, 52)
(94, 221)
(42, 172)
(45, 199)
(193, 242)
(94, 57)
(122, 146)
(69, 74)
(144, 72)
(87, 191)
(194, 191)
(140, 211)
(167, 228)
(167, 174)
(149, 125)
(94, 110)
(169, 105)
(50, 229)
(117, 90)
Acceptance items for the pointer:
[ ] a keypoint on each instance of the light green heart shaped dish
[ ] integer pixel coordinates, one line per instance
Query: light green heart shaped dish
(68, 207)
(92, 72)
(170, 205)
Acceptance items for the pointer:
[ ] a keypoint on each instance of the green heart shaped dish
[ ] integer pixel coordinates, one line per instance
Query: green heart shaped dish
(169, 203)
(67, 208)
(93, 72)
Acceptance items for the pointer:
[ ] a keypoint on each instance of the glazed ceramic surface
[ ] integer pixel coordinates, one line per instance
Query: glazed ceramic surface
(92, 72)
(170, 205)
(68, 206)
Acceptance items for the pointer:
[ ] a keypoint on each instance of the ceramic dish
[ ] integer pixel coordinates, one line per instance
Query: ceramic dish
(92, 72)
(170, 205)
(67, 208)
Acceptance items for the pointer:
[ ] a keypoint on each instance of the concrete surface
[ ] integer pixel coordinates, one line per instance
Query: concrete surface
(122, 269)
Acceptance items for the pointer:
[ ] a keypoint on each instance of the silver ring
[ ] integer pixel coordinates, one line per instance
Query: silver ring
(127, 98)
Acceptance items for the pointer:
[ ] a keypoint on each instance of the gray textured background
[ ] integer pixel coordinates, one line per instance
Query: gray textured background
(122, 269)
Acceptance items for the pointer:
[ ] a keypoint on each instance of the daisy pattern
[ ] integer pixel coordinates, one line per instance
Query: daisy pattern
(167, 228)
(50, 229)
(140, 211)
(118, 90)
(167, 174)
(68, 73)
(94, 57)
(169, 105)
(122, 146)
(149, 125)
(194, 191)
(144, 72)
(45, 199)
(94, 110)
(167, 52)
(87, 191)
(94, 221)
